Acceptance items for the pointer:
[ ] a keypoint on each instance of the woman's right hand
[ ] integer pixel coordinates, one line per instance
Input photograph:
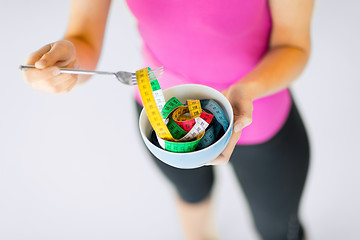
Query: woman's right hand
(47, 60)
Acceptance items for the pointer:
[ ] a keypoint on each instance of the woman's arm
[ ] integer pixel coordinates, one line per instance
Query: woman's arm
(80, 48)
(86, 30)
(288, 53)
(289, 48)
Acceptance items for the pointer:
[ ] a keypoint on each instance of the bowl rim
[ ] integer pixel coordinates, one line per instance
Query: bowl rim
(197, 151)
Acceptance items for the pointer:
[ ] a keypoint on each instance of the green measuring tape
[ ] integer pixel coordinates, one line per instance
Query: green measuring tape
(188, 127)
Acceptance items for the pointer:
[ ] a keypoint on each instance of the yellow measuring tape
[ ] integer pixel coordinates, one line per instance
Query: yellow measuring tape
(150, 106)
(194, 108)
(178, 127)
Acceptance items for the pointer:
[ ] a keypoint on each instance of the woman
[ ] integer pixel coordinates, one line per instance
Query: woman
(251, 51)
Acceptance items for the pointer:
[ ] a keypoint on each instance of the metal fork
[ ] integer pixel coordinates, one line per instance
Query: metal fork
(128, 78)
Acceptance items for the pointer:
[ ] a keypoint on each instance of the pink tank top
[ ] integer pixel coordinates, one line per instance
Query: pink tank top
(214, 43)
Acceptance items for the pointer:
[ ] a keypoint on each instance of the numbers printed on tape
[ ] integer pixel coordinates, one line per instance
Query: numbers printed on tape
(217, 111)
(157, 93)
(176, 131)
(194, 108)
(180, 146)
(179, 128)
(150, 106)
(197, 129)
(170, 106)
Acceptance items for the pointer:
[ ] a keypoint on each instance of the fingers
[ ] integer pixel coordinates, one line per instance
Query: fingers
(35, 56)
(242, 107)
(59, 84)
(47, 60)
(70, 86)
(50, 76)
(64, 83)
(34, 75)
(60, 54)
(235, 136)
(50, 80)
(242, 114)
(224, 157)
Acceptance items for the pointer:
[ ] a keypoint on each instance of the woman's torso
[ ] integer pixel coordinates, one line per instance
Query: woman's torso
(215, 43)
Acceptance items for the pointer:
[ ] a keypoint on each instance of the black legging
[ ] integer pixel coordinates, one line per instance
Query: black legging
(271, 174)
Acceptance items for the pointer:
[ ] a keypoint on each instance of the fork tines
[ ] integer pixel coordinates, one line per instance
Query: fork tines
(156, 73)
(153, 74)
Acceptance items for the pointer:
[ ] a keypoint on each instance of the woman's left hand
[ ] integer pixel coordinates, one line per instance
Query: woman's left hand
(242, 104)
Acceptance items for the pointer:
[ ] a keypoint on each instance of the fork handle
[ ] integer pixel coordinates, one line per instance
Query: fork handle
(71, 71)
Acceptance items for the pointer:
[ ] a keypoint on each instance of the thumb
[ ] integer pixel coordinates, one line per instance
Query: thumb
(56, 53)
(242, 116)
(240, 122)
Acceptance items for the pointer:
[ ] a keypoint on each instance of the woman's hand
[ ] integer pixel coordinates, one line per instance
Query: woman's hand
(242, 104)
(47, 60)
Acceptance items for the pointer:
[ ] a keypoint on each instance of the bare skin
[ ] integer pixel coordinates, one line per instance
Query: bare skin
(197, 220)
(80, 48)
(288, 53)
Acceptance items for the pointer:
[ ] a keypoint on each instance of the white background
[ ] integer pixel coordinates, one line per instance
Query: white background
(73, 166)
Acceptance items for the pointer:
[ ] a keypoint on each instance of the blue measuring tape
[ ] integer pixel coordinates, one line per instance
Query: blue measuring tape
(214, 131)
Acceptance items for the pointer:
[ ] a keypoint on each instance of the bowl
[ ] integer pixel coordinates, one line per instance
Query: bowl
(200, 157)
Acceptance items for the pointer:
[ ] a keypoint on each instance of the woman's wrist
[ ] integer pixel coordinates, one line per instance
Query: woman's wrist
(86, 56)
(247, 89)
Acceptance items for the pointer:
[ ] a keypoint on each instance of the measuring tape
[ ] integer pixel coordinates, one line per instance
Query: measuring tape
(179, 127)
(176, 131)
(150, 106)
(158, 95)
(217, 111)
(170, 106)
(180, 146)
(194, 108)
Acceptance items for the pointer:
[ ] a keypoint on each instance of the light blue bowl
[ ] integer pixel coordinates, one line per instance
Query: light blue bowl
(197, 158)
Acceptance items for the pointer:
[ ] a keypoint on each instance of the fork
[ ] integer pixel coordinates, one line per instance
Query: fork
(128, 78)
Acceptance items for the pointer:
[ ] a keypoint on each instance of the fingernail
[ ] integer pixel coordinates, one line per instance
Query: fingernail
(237, 127)
(56, 72)
(40, 64)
